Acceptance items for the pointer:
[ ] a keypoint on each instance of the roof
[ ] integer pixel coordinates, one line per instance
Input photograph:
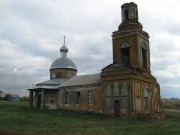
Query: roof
(83, 80)
(57, 81)
(50, 84)
(63, 62)
(114, 67)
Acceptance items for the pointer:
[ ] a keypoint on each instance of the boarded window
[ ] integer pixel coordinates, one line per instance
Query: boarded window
(90, 97)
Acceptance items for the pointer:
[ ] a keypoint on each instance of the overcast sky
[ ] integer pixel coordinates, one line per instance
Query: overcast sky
(31, 34)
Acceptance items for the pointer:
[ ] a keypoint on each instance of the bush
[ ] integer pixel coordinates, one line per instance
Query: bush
(169, 105)
(24, 98)
(177, 105)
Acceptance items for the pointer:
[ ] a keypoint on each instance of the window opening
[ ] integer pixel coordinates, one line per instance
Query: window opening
(126, 14)
(144, 58)
(78, 97)
(125, 56)
(66, 99)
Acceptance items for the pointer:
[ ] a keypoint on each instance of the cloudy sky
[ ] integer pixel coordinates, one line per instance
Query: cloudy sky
(31, 34)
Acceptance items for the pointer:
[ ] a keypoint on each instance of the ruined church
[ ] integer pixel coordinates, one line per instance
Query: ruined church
(124, 87)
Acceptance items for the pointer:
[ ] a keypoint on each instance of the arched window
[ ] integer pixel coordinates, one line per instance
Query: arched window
(144, 55)
(131, 13)
(144, 58)
(125, 53)
(126, 14)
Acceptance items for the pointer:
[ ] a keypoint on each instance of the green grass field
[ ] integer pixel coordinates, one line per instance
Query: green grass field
(17, 119)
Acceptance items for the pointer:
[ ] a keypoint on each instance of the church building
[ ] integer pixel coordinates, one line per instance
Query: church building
(124, 87)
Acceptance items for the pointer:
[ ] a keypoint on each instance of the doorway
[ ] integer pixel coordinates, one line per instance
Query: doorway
(116, 108)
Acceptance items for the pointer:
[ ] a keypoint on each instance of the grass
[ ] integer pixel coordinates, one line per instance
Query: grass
(17, 119)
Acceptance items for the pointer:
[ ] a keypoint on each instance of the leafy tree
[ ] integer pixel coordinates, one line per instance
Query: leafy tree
(24, 98)
(8, 97)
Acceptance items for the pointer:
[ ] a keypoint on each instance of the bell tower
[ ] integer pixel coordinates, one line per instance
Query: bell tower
(130, 42)
(127, 83)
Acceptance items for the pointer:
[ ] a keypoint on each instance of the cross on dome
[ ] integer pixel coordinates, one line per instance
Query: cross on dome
(64, 49)
(64, 39)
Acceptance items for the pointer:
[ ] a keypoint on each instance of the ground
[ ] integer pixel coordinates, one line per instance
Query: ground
(17, 119)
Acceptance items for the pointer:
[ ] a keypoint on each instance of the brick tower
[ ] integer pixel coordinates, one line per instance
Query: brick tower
(127, 84)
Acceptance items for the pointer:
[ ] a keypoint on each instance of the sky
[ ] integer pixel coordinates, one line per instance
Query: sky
(31, 33)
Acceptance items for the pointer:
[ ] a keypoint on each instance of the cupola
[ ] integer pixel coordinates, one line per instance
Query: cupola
(63, 67)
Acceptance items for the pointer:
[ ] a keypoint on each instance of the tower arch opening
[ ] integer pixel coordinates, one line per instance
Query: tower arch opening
(144, 55)
(126, 14)
(125, 53)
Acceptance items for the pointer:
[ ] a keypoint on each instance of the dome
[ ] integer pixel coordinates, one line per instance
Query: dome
(63, 62)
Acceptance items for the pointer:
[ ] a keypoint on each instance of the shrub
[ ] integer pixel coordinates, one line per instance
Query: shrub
(24, 98)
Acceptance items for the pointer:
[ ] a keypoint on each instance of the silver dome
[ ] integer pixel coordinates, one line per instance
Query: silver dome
(63, 62)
